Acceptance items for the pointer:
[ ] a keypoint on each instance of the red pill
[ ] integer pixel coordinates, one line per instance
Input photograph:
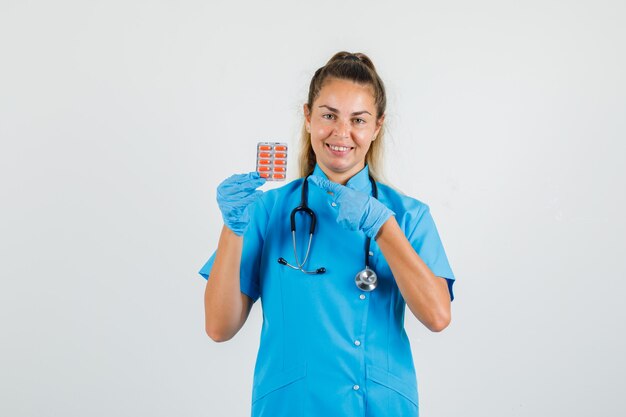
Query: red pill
(265, 148)
(280, 162)
(264, 175)
(279, 176)
(265, 154)
(280, 169)
(265, 169)
(264, 161)
(280, 148)
(280, 155)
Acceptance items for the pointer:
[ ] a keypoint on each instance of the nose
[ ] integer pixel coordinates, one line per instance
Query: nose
(343, 129)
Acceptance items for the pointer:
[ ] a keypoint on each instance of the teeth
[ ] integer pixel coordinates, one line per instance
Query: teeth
(338, 148)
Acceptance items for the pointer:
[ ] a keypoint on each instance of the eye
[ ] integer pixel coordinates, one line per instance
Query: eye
(359, 121)
(328, 116)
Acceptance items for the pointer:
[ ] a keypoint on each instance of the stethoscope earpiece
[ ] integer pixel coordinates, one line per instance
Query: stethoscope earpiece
(282, 261)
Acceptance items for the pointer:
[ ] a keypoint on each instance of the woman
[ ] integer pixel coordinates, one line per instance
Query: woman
(329, 347)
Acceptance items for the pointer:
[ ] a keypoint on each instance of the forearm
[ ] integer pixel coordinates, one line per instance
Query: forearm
(223, 303)
(426, 294)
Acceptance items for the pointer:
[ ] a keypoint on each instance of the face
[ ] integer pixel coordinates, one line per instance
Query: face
(342, 123)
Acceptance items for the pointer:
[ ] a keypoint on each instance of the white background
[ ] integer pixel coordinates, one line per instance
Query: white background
(118, 119)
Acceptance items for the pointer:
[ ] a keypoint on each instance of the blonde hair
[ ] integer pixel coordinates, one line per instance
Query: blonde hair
(358, 68)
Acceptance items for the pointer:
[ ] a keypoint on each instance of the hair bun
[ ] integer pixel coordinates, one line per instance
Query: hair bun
(345, 56)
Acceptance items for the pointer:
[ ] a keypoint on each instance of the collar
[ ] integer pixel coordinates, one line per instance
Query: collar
(359, 181)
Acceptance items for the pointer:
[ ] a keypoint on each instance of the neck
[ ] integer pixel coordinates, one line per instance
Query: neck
(338, 178)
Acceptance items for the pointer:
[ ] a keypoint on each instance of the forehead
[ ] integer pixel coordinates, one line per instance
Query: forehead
(340, 94)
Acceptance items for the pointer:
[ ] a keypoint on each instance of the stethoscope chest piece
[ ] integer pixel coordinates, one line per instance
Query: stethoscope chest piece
(366, 280)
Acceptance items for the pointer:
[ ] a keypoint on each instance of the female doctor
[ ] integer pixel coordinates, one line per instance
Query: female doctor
(333, 341)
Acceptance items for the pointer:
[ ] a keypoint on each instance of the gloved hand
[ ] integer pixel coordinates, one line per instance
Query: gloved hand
(356, 210)
(234, 195)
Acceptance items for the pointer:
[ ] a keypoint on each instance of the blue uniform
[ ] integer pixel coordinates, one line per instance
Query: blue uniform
(328, 348)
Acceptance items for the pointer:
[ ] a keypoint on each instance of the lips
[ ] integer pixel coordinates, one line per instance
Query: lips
(339, 149)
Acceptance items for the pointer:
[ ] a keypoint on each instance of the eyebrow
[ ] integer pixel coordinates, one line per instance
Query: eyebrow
(356, 113)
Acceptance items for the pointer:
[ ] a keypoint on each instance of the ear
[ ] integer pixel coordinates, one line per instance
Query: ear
(379, 125)
(307, 116)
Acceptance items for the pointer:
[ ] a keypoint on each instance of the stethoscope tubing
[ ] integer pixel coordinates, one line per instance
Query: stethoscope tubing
(306, 209)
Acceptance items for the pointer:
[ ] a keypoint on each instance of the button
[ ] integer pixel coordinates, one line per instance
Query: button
(371, 253)
(356, 387)
(362, 296)
(333, 204)
(358, 343)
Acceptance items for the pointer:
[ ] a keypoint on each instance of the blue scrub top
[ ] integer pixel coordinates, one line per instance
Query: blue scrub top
(328, 348)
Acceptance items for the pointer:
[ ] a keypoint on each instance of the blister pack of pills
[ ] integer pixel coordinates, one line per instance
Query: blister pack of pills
(271, 160)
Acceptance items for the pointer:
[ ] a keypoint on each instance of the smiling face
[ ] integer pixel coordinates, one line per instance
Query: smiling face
(343, 123)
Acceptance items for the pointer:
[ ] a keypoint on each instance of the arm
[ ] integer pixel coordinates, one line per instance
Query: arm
(226, 308)
(426, 294)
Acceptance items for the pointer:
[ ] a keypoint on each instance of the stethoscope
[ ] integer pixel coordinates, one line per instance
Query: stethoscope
(366, 279)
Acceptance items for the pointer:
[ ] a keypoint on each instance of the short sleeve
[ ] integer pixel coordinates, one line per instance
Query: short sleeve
(425, 240)
(253, 239)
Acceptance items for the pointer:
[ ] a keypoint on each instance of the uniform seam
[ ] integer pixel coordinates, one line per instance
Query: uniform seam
(417, 221)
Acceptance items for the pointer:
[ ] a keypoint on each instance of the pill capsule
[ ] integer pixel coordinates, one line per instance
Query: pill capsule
(271, 160)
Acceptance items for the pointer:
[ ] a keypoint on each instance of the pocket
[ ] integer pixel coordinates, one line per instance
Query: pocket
(405, 387)
(277, 381)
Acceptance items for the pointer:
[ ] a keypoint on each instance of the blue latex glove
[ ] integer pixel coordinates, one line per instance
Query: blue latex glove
(356, 210)
(234, 195)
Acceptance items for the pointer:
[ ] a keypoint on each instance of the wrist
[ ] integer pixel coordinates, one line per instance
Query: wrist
(378, 214)
(233, 231)
(383, 227)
